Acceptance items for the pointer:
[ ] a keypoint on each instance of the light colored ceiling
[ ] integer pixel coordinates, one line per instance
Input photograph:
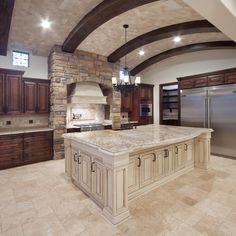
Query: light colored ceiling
(26, 34)
(110, 35)
(155, 48)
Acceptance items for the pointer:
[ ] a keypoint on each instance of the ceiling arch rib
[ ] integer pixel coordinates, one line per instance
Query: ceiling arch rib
(182, 50)
(191, 27)
(102, 13)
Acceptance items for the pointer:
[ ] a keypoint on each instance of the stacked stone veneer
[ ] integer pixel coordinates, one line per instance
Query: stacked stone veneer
(67, 68)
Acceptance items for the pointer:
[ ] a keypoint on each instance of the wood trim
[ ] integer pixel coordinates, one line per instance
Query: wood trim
(99, 15)
(182, 50)
(192, 27)
(6, 10)
(36, 80)
(12, 72)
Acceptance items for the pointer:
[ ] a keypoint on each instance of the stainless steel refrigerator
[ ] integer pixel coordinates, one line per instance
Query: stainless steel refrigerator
(212, 107)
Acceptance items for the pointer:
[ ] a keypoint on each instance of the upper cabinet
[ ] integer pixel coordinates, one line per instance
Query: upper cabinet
(126, 101)
(36, 96)
(208, 79)
(11, 91)
(18, 95)
(146, 92)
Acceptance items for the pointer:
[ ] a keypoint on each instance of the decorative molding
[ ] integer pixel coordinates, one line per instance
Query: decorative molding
(6, 9)
(182, 50)
(102, 13)
(192, 27)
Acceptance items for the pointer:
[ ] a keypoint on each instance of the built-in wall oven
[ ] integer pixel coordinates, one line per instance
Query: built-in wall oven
(145, 109)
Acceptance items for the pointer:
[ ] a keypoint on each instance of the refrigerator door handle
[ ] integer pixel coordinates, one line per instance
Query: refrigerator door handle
(205, 112)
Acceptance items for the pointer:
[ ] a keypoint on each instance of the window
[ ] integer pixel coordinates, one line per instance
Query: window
(20, 58)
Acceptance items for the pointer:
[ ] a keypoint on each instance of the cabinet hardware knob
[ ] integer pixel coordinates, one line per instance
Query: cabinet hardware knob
(75, 155)
(139, 161)
(92, 165)
(154, 157)
(185, 147)
(166, 153)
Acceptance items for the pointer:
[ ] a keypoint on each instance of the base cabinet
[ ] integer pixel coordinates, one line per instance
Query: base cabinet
(149, 167)
(87, 172)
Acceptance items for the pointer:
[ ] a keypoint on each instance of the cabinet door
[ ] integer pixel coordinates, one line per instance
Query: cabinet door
(133, 174)
(43, 97)
(179, 157)
(126, 101)
(168, 161)
(230, 78)
(147, 169)
(13, 94)
(189, 152)
(98, 181)
(85, 172)
(159, 165)
(2, 94)
(75, 166)
(11, 149)
(215, 79)
(30, 96)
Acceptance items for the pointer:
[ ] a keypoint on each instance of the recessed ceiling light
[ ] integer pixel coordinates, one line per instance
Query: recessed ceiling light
(141, 52)
(177, 39)
(46, 24)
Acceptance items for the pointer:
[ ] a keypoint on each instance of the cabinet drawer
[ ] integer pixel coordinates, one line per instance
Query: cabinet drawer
(230, 78)
(38, 135)
(215, 79)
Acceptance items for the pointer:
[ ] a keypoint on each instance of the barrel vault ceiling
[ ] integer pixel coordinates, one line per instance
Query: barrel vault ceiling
(26, 34)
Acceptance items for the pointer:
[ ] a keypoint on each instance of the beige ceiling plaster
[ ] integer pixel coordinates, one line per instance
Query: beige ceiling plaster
(110, 35)
(26, 34)
(155, 48)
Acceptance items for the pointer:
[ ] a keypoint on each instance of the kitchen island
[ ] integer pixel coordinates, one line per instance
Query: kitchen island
(113, 167)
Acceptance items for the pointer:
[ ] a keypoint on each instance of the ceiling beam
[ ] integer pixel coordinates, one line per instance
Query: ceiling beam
(102, 13)
(192, 27)
(182, 50)
(6, 10)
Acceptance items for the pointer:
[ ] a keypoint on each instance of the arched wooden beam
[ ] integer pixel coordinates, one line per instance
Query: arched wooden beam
(102, 13)
(182, 50)
(192, 27)
(6, 9)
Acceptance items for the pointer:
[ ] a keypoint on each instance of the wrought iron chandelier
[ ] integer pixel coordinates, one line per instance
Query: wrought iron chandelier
(126, 82)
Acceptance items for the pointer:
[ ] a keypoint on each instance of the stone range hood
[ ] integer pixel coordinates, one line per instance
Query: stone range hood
(87, 93)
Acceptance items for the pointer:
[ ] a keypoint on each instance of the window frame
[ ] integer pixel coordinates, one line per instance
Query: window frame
(22, 52)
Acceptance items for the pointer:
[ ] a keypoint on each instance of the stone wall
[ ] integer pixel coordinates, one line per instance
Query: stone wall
(67, 68)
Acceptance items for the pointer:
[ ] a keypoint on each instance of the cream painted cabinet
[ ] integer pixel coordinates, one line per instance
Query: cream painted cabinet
(189, 152)
(159, 165)
(133, 173)
(75, 160)
(168, 161)
(147, 161)
(179, 156)
(85, 172)
(98, 177)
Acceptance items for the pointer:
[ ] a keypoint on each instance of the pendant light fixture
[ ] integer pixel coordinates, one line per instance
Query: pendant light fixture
(126, 82)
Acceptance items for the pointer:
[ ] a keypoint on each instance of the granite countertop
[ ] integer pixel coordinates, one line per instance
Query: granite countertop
(147, 136)
(24, 130)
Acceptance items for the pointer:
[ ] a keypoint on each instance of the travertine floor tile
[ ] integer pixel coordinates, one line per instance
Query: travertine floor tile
(38, 200)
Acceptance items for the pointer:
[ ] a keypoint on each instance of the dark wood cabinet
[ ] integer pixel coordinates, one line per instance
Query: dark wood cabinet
(11, 91)
(126, 101)
(131, 101)
(36, 96)
(215, 78)
(11, 149)
(2, 97)
(37, 147)
(21, 149)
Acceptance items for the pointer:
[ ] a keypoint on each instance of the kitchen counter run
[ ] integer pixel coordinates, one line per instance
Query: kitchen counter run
(117, 142)
(22, 130)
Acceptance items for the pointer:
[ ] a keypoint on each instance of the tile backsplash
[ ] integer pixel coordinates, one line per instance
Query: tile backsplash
(83, 113)
(23, 121)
